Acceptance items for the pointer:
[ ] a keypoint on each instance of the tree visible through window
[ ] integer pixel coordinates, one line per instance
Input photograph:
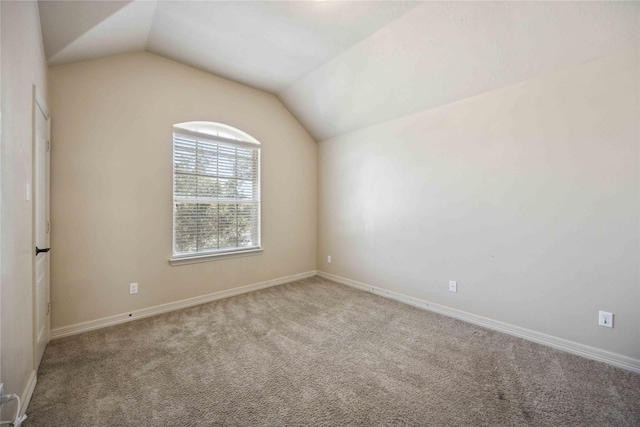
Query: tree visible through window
(216, 189)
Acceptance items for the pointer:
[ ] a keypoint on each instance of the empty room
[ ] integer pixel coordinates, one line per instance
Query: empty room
(323, 212)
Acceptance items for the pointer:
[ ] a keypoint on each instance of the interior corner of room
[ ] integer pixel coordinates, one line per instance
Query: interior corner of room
(425, 152)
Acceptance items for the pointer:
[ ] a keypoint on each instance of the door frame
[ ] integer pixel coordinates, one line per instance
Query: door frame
(1, 160)
(39, 104)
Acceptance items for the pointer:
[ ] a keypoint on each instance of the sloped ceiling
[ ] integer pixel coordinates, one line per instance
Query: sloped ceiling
(442, 52)
(340, 65)
(267, 45)
(79, 30)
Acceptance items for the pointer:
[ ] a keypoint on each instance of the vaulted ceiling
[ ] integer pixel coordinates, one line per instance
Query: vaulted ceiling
(343, 65)
(267, 45)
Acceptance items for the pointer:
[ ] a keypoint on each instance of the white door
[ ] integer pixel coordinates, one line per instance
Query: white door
(41, 226)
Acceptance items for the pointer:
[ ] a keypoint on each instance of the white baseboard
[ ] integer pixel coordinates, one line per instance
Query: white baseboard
(28, 392)
(588, 352)
(172, 306)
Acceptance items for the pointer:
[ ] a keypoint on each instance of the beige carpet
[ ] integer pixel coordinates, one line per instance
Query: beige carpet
(317, 353)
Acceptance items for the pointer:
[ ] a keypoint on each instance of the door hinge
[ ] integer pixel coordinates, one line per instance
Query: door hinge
(48, 226)
(48, 145)
(48, 308)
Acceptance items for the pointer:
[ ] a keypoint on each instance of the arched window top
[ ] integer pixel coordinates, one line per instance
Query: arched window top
(216, 129)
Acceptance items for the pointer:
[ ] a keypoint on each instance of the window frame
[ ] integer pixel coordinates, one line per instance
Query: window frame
(210, 132)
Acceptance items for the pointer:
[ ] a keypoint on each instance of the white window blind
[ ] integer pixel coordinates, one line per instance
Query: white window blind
(216, 191)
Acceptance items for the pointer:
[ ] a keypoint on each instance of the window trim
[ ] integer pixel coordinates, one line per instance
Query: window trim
(195, 259)
(203, 131)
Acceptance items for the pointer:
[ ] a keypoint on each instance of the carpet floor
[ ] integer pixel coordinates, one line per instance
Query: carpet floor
(316, 353)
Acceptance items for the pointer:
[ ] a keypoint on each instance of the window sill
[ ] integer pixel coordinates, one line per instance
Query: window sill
(194, 259)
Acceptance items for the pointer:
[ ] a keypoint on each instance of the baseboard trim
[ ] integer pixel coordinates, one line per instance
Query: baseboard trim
(588, 352)
(28, 392)
(104, 322)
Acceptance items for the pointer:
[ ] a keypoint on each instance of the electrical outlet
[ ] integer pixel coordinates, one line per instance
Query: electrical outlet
(605, 319)
(329, 259)
(133, 288)
(453, 286)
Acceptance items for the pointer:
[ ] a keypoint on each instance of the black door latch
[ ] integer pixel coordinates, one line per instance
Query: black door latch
(38, 250)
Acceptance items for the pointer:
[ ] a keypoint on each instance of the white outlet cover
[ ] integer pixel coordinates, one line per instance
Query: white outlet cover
(605, 319)
(133, 288)
(329, 259)
(453, 286)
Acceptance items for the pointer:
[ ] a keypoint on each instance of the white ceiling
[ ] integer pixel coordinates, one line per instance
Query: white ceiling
(79, 30)
(343, 65)
(442, 52)
(267, 45)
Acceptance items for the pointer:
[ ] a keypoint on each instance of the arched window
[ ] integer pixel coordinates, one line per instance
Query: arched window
(216, 191)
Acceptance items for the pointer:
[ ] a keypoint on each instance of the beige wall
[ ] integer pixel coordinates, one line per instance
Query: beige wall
(528, 196)
(111, 166)
(22, 66)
